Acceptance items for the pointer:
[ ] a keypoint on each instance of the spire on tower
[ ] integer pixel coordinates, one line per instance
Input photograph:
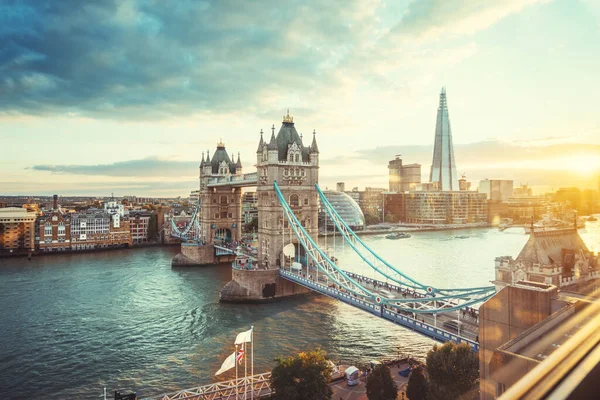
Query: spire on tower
(261, 143)
(238, 164)
(207, 157)
(202, 162)
(313, 147)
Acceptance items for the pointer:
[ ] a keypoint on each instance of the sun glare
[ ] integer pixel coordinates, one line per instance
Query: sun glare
(586, 164)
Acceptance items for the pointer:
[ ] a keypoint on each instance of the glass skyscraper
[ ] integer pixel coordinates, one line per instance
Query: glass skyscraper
(443, 167)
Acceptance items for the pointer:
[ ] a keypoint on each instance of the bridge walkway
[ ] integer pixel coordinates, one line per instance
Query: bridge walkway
(427, 325)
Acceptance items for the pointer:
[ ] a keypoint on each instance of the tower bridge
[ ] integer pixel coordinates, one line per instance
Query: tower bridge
(288, 259)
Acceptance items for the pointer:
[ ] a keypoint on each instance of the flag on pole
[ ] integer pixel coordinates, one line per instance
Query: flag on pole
(240, 354)
(244, 337)
(227, 364)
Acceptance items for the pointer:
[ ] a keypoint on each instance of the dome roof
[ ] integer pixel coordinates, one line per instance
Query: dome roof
(286, 136)
(220, 156)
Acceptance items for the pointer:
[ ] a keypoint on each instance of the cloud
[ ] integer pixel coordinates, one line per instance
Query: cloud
(140, 59)
(147, 167)
(434, 18)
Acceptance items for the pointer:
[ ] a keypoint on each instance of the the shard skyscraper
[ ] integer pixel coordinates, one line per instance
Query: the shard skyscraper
(443, 167)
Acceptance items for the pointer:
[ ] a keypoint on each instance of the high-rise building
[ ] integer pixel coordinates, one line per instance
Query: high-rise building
(443, 167)
(496, 189)
(403, 177)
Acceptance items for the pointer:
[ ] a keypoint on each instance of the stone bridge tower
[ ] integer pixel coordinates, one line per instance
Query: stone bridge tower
(220, 207)
(295, 167)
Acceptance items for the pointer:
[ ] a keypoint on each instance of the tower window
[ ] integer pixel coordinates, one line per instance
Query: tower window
(294, 200)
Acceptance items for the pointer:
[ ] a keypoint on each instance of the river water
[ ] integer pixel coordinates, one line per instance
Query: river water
(72, 324)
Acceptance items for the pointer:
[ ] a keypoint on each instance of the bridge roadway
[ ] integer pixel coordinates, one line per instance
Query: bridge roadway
(426, 324)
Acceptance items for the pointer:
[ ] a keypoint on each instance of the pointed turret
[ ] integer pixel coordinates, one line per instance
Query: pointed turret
(273, 141)
(207, 157)
(238, 164)
(313, 147)
(202, 162)
(261, 143)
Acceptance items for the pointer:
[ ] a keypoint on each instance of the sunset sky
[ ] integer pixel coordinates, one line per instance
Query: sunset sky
(123, 96)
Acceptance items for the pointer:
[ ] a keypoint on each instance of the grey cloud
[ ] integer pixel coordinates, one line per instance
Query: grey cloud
(152, 58)
(141, 168)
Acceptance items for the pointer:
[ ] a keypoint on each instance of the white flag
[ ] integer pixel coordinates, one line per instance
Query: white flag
(227, 364)
(244, 337)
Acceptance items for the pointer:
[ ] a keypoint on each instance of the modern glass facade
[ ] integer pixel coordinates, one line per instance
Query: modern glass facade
(346, 207)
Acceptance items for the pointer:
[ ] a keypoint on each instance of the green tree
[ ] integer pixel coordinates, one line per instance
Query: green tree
(372, 218)
(380, 385)
(418, 386)
(453, 370)
(305, 376)
(153, 227)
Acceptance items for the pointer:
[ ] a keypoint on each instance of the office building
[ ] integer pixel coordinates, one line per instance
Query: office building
(443, 166)
(496, 189)
(17, 230)
(249, 207)
(438, 207)
(403, 178)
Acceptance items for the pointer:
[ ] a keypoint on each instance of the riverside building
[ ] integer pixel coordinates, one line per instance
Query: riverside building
(438, 207)
(17, 230)
(95, 229)
(403, 178)
(54, 229)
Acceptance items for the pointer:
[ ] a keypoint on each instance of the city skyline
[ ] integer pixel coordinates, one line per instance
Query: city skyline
(86, 113)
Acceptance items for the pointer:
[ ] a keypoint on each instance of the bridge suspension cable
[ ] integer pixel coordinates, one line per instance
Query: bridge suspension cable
(194, 223)
(321, 260)
(380, 265)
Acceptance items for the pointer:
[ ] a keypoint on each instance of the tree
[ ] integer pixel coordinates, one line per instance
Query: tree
(380, 385)
(418, 386)
(305, 376)
(453, 370)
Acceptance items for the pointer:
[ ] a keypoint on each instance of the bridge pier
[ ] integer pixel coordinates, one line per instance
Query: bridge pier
(193, 255)
(258, 286)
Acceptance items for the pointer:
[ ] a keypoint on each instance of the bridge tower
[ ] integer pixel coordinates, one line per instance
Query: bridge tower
(220, 207)
(295, 167)
(220, 215)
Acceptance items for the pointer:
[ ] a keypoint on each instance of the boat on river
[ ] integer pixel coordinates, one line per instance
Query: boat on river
(398, 235)
(592, 218)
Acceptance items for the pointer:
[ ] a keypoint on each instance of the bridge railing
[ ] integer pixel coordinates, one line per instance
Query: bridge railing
(227, 390)
(380, 310)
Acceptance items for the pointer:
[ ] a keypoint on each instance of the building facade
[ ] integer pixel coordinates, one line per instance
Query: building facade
(17, 230)
(524, 208)
(249, 207)
(443, 166)
(403, 178)
(496, 189)
(439, 207)
(97, 229)
(139, 222)
(54, 230)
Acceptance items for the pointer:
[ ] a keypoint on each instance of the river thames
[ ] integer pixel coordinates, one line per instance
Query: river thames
(73, 324)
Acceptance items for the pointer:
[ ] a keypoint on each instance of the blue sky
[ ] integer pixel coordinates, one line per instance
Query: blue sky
(123, 96)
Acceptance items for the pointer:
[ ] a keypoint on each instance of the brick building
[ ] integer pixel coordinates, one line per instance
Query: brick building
(139, 222)
(54, 229)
